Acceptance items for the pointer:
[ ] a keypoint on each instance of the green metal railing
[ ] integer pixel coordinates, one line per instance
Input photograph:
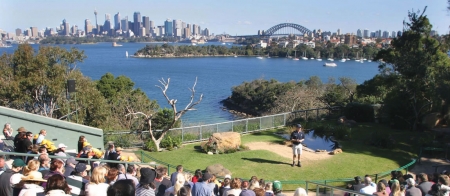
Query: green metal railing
(332, 189)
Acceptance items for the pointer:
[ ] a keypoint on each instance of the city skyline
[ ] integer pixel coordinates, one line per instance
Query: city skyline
(232, 17)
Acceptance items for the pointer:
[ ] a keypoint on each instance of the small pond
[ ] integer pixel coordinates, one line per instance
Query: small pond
(314, 142)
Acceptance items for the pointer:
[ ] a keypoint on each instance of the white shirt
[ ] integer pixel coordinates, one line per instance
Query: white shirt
(15, 179)
(32, 189)
(128, 176)
(368, 190)
(96, 189)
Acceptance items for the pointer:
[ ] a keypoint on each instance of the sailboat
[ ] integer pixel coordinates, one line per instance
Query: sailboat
(268, 55)
(343, 58)
(331, 58)
(287, 55)
(126, 54)
(370, 59)
(259, 54)
(357, 59)
(304, 56)
(295, 56)
(318, 57)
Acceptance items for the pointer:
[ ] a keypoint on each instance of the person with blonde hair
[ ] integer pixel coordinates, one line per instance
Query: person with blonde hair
(8, 131)
(173, 190)
(300, 192)
(41, 136)
(395, 188)
(97, 185)
(381, 189)
(31, 184)
(33, 165)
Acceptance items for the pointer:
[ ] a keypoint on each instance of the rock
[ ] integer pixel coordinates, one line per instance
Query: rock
(218, 170)
(210, 153)
(430, 121)
(336, 151)
(321, 151)
(225, 141)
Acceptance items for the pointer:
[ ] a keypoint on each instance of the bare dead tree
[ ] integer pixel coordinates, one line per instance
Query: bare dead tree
(176, 114)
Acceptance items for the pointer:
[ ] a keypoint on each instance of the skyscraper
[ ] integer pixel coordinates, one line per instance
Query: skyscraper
(385, 34)
(366, 33)
(152, 27)
(107, 25)
(96, 22)
(338, 32)
(187, 32)
(177, 24)
(358, 33)
(124, 24)
(207, 32)
(87, 26)
(117, 21)
(146, 24)
(393, 34)
(66, 28)
(168, 28)
(18, 32)
(136, 23)
(34, 31)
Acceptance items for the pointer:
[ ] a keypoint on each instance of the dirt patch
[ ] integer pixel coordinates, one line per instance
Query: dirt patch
(286, 151)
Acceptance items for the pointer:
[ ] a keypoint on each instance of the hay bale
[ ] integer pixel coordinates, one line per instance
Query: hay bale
(218, 170)
(225, 141)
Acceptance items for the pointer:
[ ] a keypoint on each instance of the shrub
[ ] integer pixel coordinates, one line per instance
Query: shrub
(170, 142)
(359, 112)
(123, 140)
(150, 145)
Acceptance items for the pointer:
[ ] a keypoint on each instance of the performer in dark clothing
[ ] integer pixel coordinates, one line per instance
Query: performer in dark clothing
(297, 138)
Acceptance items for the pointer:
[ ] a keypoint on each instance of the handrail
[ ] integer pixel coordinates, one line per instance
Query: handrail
(79, 159)
(332, 187)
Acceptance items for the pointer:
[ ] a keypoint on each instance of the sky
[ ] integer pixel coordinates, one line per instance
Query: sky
(235, 17)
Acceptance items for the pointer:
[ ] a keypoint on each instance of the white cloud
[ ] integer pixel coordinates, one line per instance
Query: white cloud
(244, 23)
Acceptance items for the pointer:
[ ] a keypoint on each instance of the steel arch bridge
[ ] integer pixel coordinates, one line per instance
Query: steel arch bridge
(286, 28)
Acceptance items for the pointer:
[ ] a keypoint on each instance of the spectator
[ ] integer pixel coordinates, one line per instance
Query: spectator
(245, 189)
(184, 191)
(197, 176)
(146, 186)
(31, 184)
(41, 136)
(111, 149)
(11, 177)
(202, 188)
(368, 188)
(57, 186)
(173, 177)
(269, 189)
(423, 184)
(8, 132)
(254, 184)
(115, 156)
(25, 143)
(81, 141)
(262, 183)
(393, 177)
(44, 164)
(56, 167)
(112, 176)
(226, 186)
(21, 133)
(213, 185)
(277, 187)
(412, 190)
(3, 165)
(61, 151)
(381, 189)
(97, 185)
(300, 192)
(171, 191)
(235, 187)
(188, 177)
(122, 188)
(443, 179)
(130, 174)
(358, 185)
(34, 149)
(259, 191)
(70, 166)
(386, 185)
(76, 180)
(161, 182)
(33, 165)
(42, 150)
(395, 188)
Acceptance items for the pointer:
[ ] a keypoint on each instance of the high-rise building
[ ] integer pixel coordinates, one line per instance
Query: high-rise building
(27, 32)
(124, 24)
(373, 34)
(433, 33)
(107, 25)
(187, 32)
(338, 32)
(34, 31)
(358, 33)
(136, 23)
(379, 33)
(18, 32)
(177, 24)
(195, 30)
(152, 27)
(399, 33)
(188, 26)
(366, 33)
(96, 22)
(161, 30)
(206, 32)
(393, 34)
(385, 34)
(168, 28)
(146, 24)
(117, 21)
(350, 40)
(87, 26)
(66, 28)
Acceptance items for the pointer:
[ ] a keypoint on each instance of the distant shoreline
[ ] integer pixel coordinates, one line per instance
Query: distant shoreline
(191, 56)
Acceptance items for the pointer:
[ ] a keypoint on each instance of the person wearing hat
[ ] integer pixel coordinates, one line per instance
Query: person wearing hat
(297, 138)
(277, 187)
(61, 151)
(31, 183)
(76, 180)
(144, 187)
(70, 166)
(202, 188)
(111, 149)
(225, 185)
(11, 177)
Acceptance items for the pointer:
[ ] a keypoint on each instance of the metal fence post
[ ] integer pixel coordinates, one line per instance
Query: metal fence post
(217, 128)
(317, 117)
(317, 189)
(182, 134)
(246, 125)
(306, 114)
(325, 188)
(142, 156)
(200, 134)
(306, 187)
(232, 126)
(284, 119)
(376, 177)
(260, 123)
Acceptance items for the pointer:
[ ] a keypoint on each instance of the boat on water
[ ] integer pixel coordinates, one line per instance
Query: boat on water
(260, 57)
(194, 44)
(319, 59)
(295, 56)
(114, 44)
(126, 54)
(343, 58)
(330, 64)
(312, 58)
(330, 59)
(304, 56)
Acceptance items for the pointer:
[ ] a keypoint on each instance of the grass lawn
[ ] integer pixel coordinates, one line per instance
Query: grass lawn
(359, 158)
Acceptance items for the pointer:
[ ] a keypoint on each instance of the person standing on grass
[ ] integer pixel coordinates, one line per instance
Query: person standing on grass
(297, 138)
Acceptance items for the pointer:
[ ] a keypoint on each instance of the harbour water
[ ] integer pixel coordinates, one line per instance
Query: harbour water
(216, 75)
